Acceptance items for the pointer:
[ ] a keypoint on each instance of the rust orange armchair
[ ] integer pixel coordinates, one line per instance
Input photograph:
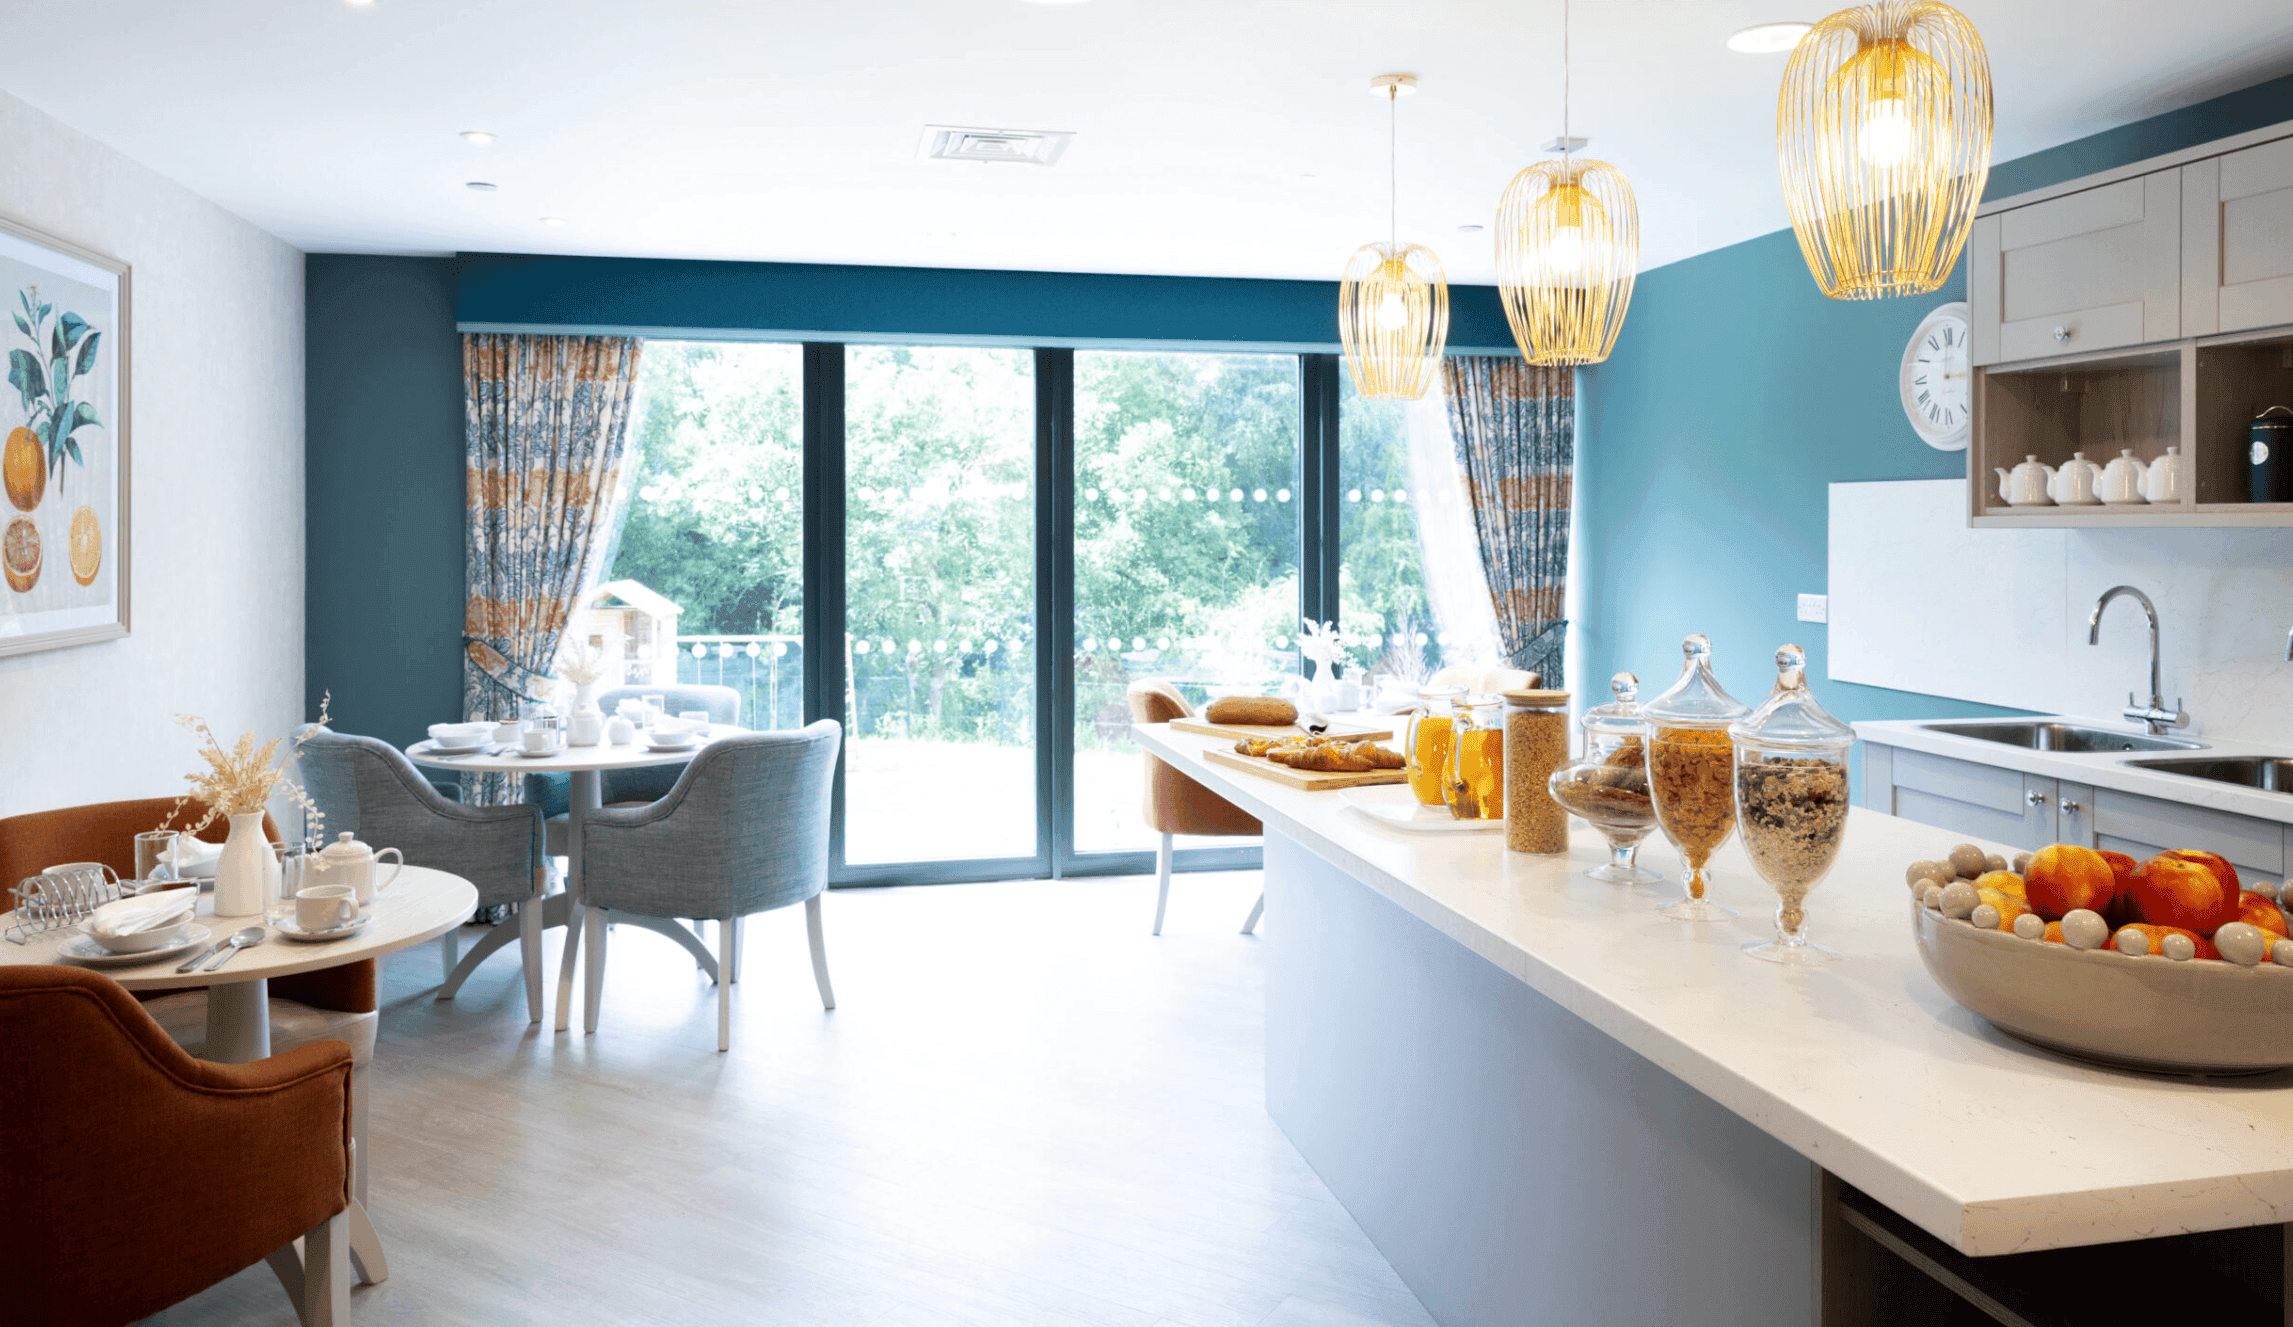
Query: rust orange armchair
(133, 1176)
(1176, 804)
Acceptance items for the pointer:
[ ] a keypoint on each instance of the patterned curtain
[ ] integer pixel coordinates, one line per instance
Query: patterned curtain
(1515, 425)
(548, 420)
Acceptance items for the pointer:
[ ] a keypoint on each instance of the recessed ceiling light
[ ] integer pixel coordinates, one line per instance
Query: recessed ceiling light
(481, 186)
(358, 4)
(1469, 227)
(553, 221)
(477, 137)
(1767, 38)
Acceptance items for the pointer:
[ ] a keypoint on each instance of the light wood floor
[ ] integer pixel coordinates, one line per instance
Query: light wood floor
(1026, 1111)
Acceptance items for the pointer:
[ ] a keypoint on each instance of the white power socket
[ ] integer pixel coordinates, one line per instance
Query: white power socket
(1815, 608)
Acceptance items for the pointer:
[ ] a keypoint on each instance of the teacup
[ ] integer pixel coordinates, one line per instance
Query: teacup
(325, 907)
(539, 740)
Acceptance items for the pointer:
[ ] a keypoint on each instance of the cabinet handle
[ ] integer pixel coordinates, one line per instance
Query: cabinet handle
(2035, 797)
(2062, 334)
(2069, 808)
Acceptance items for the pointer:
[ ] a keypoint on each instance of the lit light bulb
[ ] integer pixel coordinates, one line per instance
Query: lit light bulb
(1885, 138)
(1391, 316)
(1568, 249)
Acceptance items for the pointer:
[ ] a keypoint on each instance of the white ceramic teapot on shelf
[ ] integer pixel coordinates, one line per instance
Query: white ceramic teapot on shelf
(346, 861)
(2028, 486)
(2122, 480)
(2074, 484)
(2164, 482)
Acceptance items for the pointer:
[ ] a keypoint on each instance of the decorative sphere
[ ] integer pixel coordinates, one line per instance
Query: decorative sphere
(2178, 947)
(1985, 917)
(1968, 860)
(2133, 943)
(2281, 953)
(2021, 863)
(1933, 898)
(1921, 886)
(2029, 927)
(1994, 862)
(2083, 928)
(1918, 871)
(2265, 888)
(2242, 943)
(1960, 899)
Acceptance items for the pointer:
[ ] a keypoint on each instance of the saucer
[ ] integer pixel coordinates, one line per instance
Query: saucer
(293, 930)
(536, 755)
(82, 949)
(694, 745)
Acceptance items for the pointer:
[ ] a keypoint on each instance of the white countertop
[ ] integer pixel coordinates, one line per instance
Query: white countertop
(2100, 769)
(1865, 1066)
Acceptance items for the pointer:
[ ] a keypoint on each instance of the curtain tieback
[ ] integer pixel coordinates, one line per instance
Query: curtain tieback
(523, 683)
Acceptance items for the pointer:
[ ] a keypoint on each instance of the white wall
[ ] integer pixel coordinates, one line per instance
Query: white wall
(1921, 602)
(216, 505)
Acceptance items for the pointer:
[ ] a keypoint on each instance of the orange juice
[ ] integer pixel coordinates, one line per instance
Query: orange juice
(1428, 758)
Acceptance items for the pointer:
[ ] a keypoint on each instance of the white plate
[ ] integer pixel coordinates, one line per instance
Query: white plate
(1394, 804)
(672, 746)
(535, 755)
(293, 930)
(81, 949)
(462, 749)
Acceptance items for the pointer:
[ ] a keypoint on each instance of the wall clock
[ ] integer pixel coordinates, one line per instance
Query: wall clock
(1937, 383)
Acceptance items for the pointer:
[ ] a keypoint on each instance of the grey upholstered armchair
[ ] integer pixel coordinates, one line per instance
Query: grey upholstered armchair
(363, 785)
(744, 829)
(645, 783)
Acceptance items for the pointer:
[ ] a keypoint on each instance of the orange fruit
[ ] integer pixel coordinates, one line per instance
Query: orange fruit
(2005, 882)
(2255, 909)
(20, 553)
(25, 469)
(2062, 877)
(2158, 936)
(2186, 891)
(87, 545)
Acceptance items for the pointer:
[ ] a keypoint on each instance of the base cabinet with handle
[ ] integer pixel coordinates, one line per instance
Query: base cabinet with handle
(2030, 811)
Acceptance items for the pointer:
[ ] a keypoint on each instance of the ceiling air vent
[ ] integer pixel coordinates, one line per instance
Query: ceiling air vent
(1032, 147)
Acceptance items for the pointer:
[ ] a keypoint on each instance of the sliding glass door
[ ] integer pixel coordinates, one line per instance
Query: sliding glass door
(940, 704)
(1185, 510)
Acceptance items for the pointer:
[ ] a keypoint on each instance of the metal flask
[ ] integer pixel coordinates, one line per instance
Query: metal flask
(2269, 456)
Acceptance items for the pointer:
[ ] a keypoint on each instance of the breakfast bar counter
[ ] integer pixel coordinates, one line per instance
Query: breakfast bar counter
(1544, 1102)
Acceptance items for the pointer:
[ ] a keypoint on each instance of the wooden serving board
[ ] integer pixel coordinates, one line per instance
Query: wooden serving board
(1350, 732)
(1312, 780)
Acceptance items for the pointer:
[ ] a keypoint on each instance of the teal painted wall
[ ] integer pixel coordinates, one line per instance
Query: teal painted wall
(383, 402)
(1736, 394)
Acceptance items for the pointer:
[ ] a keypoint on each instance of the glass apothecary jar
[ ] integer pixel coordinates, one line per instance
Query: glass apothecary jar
(1475, 779)
(1536, 745)
(1691, 774)
(1608, 786)
(1425, 743)
(1791, 801)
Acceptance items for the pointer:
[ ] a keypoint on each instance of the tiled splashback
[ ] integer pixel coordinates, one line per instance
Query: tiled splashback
(1920, 602)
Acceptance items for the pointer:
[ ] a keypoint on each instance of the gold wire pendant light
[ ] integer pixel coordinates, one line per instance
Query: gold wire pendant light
(1393, 303)
(1883, 137)
(1568, 250)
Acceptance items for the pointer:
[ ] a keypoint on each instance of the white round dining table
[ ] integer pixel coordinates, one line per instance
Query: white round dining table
(586, 766)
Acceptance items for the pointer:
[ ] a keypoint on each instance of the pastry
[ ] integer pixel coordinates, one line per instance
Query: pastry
(1251, 709)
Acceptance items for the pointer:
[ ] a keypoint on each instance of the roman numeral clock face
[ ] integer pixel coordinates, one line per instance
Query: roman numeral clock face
(1937, 382)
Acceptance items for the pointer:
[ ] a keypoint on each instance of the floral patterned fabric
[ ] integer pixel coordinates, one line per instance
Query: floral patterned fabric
(1515, 425)
(548, 418)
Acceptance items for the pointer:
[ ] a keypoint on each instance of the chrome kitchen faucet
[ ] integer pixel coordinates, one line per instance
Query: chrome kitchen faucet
(2156, 716)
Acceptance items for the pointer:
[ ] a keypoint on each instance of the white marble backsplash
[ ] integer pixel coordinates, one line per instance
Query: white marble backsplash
(1921, 602)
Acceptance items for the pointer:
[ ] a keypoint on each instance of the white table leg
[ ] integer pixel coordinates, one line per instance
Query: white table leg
(239, 1021)
(587, 794)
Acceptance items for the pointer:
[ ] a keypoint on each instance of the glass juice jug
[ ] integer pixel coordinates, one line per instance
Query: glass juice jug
(1691, 774)
(1475, 774)
(1425, 743)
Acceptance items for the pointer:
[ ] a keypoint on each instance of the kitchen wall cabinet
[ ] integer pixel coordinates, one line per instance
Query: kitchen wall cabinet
(1986, 801)
(2087, 271)
(2142, 309)
(2237, 255)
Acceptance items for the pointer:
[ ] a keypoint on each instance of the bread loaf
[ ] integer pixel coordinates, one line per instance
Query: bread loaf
(1251, 709)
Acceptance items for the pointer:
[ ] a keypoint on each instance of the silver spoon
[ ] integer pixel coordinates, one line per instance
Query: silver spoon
(239, 940)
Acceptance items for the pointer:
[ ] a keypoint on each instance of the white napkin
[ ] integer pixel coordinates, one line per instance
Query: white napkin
(145, 912)
(460, 734)
(194, 859)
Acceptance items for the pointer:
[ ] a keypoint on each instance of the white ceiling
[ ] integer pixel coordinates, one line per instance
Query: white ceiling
(1213, 137)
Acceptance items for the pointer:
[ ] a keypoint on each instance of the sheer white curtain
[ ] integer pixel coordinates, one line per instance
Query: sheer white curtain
(1456, 587)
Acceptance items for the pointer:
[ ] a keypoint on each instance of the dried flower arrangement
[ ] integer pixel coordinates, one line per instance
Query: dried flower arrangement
(581, 661)
(242, 780)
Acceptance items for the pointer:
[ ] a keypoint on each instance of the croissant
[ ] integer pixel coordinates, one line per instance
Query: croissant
(1338, 757)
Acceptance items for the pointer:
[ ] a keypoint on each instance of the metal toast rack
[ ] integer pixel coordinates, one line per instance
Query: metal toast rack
(60, 899)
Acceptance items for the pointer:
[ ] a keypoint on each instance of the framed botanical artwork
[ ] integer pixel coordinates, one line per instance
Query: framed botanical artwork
(63, 530)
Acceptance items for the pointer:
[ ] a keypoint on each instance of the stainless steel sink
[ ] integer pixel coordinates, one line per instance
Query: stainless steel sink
(2065, 737)
(2268, 773)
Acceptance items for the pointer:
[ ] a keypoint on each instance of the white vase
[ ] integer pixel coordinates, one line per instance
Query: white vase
(585, 697)
(246, 874)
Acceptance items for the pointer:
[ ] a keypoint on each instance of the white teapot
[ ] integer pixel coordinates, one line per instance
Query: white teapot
(2074, 484)
(2164, 483)
(346, 861)
(2027, 486)
(2122, 480)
